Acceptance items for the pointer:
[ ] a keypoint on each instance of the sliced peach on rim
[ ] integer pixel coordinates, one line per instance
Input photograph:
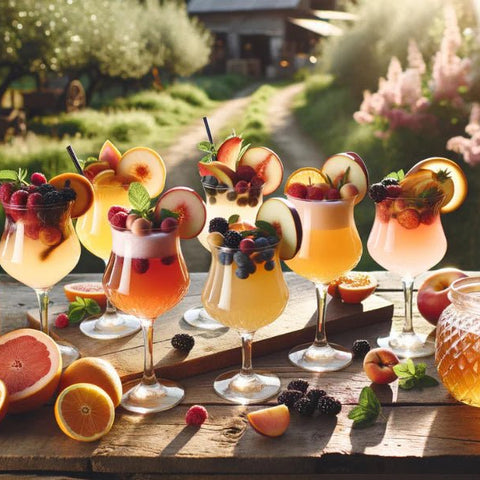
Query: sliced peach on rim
(83, 189)
(110, 153)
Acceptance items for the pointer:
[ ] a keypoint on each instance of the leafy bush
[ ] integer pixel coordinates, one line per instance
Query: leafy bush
(221, 87)
(189, 94)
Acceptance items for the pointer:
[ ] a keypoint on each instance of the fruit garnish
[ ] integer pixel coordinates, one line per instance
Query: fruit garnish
(413, 376)
(353, 287)
(84, 412)
(37, 367)
(229, 151)
(267, 166)
(81, 308)
(409, 218)
(81, 186)
(223, 173)
(92, 169)
(109, 153)
(284, 218)
(18, 177)
(146, 166)
(271, 422)
(4, 400)
(196, 415)
(97, 371)
(183, 342)
(368, 409)
(218, 224)
(305, 176)
(455, 174)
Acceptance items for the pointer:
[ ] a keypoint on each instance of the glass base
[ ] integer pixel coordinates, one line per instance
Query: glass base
(328, 358)
(110, 326)
(408, 345)
(160, 396)
(243, 389)
(199, 318)
(69, 354)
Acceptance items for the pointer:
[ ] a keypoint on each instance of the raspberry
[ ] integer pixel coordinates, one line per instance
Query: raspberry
(383, 211)
(119, 220)
(140, 265)
(256, 181)
(247, 246)
(169, 259)
(314, 395)
(34, 199)
(19, 198)
(245, 172)
(297, 190)
(329, 406)
(169, 224)
(232, 239)
(389, 181)
(427, 217)
(115, 209)
(289, 397)
(196, 415)
(38, 178)
(409, 218)
(6, 190)
(183, 342)
(360, 348)
(304, 406)
(241, 186)
(393, 191)
(62, 320)
(332, 194)
(315, 193)
(298, 384)
(218, 224)
(377, 192)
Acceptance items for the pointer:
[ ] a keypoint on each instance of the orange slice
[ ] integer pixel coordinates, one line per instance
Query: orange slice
(456, 174)
(93, 290)
(3, 400)
(305, 175)
(146, 166)
(82, 187)
(84, 412)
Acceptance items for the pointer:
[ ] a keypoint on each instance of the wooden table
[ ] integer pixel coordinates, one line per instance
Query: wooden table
(423, 434)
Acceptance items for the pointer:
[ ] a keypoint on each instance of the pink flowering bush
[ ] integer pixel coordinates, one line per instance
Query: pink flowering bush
(469, 147)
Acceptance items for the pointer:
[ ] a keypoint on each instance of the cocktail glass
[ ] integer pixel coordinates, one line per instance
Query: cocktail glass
(146, 276)
(93, 230)
(38, 248)
(408, 252)
(330, 247)
(245, 304)
(223, 201)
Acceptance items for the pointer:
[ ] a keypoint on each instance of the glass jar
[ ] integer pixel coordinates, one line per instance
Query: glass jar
(457, 354)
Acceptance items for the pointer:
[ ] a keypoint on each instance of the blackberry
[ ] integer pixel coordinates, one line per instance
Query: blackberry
(183, 342)
(329, 405)
(289, 397)
(377, 192)
(314, 395)
(45, 187)
(218, 224)
(298, 384)
(360, 348)
(232, 239)
(68, 194)
(52, 197)
(389, 181)
(304, 406)
(222, 187)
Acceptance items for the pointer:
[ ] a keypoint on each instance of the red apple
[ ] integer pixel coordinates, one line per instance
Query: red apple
(271, 422)
(432, 297)
(378, 365)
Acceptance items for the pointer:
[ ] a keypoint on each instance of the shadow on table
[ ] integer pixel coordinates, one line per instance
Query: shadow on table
(179, 441)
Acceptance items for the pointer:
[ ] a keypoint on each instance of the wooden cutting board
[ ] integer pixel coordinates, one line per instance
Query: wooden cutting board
(218, 349)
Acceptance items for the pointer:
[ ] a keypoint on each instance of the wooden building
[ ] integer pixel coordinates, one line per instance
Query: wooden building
(265, 37)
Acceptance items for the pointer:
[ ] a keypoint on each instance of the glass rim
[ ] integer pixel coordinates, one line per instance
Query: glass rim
(223, 248)
(43, 206)
(461, 288)
(152, 230)
(224, 187)
(435, 198)
(324, 200)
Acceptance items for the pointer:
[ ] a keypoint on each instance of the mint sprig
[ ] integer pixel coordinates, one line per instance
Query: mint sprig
(209, 150)
(140, 200)
(367, 411)
(413, 376)
(81, 308)
(18, 176)
(397, 175)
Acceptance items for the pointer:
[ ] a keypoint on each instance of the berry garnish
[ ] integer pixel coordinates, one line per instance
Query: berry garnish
(140, 265)
(393, 191)
(298, 384)
(314, 395)
(115, 209)
(19, 198)
(409, 218)
(183, 342)
(6, 190)
(315, 192)
(169, 224)
(38, 178)
(360, 348)
(241, 186)
(245, 173)
(304, 406)
(289, 397)
(389, 181)
(232, 239)
(196, 415)
(297, 190)
(119, 220)
(329, 406)
(377, 192)
(62, 320)
(218, 224)
(247, 246)
(34, 199)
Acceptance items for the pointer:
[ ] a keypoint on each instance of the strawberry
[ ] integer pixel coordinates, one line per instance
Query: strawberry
(427, 217)
(332, 194)
(38, 178)
(409, 218)
(297, 190)
(315, 193)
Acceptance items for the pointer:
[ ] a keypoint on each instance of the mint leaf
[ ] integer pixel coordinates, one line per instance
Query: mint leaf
(233, 219)
(413, 376)
(164, 213)
(8, 176)
(427, 381)
(366, 412)
(92, 307)
(411, 366)
(139, 197)
(81, 308)
(401, 370)
(266, 227)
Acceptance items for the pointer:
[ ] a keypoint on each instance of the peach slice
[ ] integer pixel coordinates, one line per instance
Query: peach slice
(306, 176)
(110, 153)
(354, 287)
(223, 173)
(146, 166)
(336, 166)
(189, 206)
(267, 166)
(285, 219)
(83, 189)
(228, 152)
(456, 174)
(94, 168)
(271, 422)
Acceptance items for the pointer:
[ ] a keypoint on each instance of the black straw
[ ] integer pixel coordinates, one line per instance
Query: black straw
(74, 159)
(209, 133)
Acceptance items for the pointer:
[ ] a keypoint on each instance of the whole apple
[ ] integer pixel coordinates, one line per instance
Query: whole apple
(432, 297)
(378, 365)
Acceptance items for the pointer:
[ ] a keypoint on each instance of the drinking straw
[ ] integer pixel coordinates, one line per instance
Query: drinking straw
(75, 160)
(207, 127)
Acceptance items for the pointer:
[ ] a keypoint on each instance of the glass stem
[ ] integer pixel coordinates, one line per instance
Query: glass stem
(407, 283)
(42, 297)
(320, 334)
(110, 308)
(247, 340)
(148, 371)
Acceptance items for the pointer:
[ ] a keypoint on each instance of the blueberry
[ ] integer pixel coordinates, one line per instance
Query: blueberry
(210, 180)
(268, 254)
(257, 257)
(225, 258)
(241, 259)
(241, 273)
(251, 267)
(261, 242)
(269, 266)
(222, 187)
(231, 195)
(272, 240)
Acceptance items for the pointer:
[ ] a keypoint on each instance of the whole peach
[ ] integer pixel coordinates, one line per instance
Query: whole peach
(378, 365)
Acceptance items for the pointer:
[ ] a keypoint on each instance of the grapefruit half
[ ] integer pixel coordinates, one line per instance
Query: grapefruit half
(93, 290)
(3, 400)
(30, 367)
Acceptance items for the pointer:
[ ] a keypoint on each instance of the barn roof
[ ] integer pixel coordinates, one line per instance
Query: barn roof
(211, 6)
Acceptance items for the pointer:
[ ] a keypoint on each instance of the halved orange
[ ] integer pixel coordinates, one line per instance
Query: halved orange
(3, 400)
(456, 174)
(84, 412)
(93, 290)
(353, 287)
(83, 189)
(307, 176)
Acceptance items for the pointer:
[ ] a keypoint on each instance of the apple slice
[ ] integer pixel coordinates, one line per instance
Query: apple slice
(336, 166)
(223, 173)
(281, 213)
(267, 166)
(228, 152)
(110, 153)
(146, 166)
(271, 422)
(189, 206)
(95, 168)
